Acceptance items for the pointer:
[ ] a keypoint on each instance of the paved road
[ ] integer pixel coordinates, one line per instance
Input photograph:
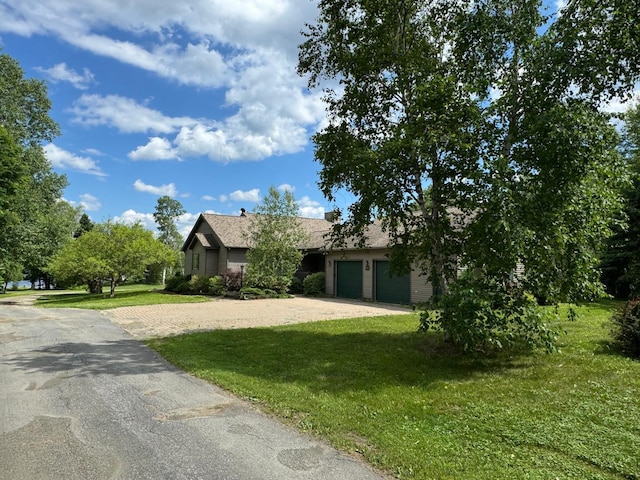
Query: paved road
(81, 399)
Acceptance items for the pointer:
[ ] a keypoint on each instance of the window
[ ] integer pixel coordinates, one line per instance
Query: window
(195, 261)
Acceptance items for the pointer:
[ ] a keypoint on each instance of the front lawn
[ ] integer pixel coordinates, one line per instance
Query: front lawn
(415, 409)
(126, 296)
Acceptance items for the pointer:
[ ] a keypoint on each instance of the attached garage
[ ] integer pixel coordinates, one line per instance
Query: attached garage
(391, 289)
(348, 279)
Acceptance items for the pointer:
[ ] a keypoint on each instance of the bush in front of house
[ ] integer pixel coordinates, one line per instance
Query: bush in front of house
(199, 284)
(313, 285)
(626, 328)
(177, 284)
(216, 286)
(296, 286)
(232, 279)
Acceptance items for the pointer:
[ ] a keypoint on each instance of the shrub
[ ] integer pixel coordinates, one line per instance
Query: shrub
(313, 285)
(199, 284)
(480, 314)
(252, 292)
(296, 286)
(232, 279)
(626, 328)
(216, 286)
(173, 283)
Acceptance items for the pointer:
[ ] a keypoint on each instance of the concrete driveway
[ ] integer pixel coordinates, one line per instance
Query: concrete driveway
(172, 319)
(81, 399)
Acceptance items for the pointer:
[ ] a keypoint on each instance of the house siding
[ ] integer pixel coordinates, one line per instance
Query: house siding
(211, 262)
(421, 289)
(189, 256)
(236, 258)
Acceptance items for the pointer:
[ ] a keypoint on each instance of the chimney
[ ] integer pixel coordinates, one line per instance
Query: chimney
(242, 212)
(333, 216)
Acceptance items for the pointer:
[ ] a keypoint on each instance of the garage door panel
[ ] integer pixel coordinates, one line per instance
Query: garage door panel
(391, 289)
(349, 279)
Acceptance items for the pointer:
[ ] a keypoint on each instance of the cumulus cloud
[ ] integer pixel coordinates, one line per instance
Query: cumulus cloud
(125, 114)
(247, 48)
(131, 216)
(310, 208)
(157, 149)
(90, 203)
(250, 196)
(285, 187)
(62, 73)
(66, 160)
(208, 198)
(169, 190)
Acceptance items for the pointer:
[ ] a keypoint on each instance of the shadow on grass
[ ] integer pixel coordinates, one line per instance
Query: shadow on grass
(118, 357)
(326, 362)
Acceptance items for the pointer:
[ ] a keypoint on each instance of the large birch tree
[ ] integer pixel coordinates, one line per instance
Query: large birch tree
(492, 109)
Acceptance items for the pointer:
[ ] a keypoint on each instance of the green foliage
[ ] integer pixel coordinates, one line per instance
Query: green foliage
(274, 238)
(480, 314)
(29, 189)
(296, 285)
(475, 130)
(199, 284)
(216, 286)
(621, 259)
(84, 225)
(626, 328)
(314, 284)
(166, 213)
(110, 252)
(178, 284)
(252, 293)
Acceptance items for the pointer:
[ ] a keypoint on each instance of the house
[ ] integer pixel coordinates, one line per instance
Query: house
(218, 243)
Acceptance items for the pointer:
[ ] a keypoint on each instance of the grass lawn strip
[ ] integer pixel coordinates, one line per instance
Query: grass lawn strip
(415, 409)
(126, 296)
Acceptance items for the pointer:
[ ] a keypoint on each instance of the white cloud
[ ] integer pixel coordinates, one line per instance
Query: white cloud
(169, 190)
(285, 187)
(223, 198)
(125, 114)
(208, 198)
(310, 208)
(62, 73)
(131, 216)
(65, 160)
(157, 149)
(185, 223)
(250, 196)
(248, 48)
(90, 203)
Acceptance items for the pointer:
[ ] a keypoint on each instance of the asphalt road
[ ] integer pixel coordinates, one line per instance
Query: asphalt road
(81, 399)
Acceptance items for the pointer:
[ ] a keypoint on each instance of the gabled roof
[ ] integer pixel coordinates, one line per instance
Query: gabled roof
(229, 231)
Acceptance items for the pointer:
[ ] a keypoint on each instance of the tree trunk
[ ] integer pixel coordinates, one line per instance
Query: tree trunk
(113, 288)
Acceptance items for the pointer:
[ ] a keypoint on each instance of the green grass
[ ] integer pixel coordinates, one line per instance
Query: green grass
(415, 409)
(126, 296)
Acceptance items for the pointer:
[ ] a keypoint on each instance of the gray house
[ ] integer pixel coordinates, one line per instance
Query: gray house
(217, 243)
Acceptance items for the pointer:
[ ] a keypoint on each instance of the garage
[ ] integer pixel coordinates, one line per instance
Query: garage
(349, 279)
(388, 289)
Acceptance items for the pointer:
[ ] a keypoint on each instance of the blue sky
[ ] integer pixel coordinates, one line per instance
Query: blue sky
(196, 100)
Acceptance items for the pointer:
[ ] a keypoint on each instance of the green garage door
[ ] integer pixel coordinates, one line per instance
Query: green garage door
(349, 279)
(391, 289)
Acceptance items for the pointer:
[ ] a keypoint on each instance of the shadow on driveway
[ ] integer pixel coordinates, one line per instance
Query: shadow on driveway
(118, 357)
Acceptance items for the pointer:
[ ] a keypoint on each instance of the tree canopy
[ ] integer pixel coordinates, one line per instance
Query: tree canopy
(30, 189)
(474, 130)
(110, 252)
(274, 238)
